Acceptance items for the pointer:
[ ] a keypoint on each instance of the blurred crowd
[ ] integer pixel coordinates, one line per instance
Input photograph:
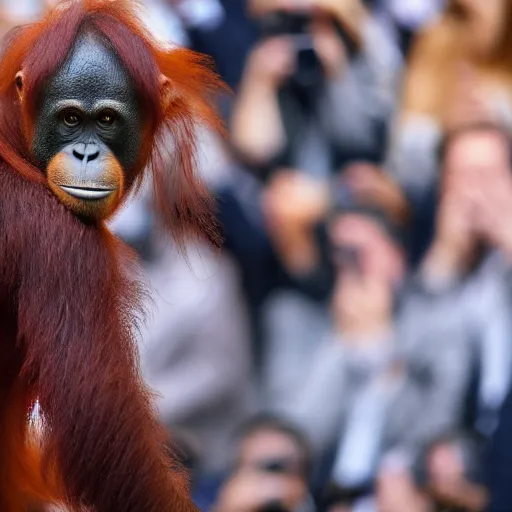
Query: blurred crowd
(348, 350)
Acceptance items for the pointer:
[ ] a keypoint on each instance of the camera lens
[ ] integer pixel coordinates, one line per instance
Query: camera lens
(274, 506)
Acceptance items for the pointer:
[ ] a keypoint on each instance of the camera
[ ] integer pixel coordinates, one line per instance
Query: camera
(347, 258)
(309, 72)
(274, 506)
(279, 466)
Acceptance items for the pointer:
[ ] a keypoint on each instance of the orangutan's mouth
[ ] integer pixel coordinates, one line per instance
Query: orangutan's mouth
(87, 193)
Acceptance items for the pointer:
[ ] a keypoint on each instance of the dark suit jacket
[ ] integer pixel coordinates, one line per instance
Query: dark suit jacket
(500, 462)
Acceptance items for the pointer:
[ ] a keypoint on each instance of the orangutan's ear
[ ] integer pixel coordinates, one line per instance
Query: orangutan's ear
(19, 81)
(167, 91)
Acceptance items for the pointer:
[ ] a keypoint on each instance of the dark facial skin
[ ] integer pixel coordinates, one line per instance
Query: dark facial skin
(87, 133)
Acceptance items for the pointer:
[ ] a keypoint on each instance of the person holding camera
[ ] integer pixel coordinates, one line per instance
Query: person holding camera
(384, 363)
(271, 470)
(317, 90)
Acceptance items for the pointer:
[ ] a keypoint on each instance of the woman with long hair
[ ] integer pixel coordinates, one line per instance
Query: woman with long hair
(459, 74)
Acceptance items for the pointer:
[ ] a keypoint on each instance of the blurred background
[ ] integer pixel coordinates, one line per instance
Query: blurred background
(350, 348)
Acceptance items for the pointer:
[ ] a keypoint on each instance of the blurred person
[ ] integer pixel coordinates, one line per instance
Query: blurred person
(466, 277)
(384, 362)
(318, 90)
(271, 469)
(295, 206)
(459, 73)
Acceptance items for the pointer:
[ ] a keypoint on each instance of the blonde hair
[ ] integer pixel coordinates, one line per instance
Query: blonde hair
(435, 58)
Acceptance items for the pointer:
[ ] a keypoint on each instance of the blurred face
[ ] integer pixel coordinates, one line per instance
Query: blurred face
(378, 256)
(259, 480)
(269, 445)
(475, 158)
(476, 196)
(484, 23)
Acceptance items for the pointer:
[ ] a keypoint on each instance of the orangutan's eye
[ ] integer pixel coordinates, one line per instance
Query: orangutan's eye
(71, 119)
(107, 118)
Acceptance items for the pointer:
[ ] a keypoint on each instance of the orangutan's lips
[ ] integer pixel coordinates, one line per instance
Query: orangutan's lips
(87, 193)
